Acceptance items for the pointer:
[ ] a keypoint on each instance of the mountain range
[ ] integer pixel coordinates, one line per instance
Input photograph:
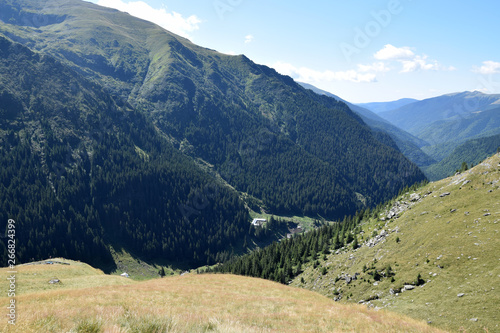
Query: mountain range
(379, 107)
(133, 136)
(437, 133)
(444, 122)
(123, 145)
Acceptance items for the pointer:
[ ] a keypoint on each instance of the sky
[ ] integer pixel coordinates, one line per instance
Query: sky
(362, 51)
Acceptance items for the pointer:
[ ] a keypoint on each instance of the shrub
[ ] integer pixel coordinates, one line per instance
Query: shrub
(419, 281)
(89, 326)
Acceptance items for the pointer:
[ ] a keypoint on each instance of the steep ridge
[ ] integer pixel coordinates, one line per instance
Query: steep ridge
(408, 144)
(82, 172)
(296, 152)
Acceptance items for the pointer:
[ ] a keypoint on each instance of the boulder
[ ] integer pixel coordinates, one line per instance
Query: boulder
(445, 194)
(414, 197)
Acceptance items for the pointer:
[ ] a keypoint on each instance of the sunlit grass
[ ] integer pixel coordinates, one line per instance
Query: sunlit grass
(94, 302)
(461, 229)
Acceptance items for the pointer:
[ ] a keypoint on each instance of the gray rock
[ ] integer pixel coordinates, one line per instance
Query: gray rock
(461, 295)
(54, 281)
(445, 194)
(414, 197)
(409, 287)
(473, 319)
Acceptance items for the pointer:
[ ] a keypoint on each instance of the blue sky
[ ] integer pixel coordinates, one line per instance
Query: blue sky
(362, 51)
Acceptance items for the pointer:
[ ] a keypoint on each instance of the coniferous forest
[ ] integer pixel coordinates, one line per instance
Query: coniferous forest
(281, 262)
(80, 173)
(139, 139)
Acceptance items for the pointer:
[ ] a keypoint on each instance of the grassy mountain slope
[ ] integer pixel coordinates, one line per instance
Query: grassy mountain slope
(86, 300)
(81, 172)
(471, 152)
(408, 144)
(442, 243)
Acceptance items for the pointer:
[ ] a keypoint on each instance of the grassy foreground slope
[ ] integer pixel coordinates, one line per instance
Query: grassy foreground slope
(437, 259)
(86, 300)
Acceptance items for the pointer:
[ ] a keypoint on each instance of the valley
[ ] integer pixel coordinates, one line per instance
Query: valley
(429, 253)
(152, 184)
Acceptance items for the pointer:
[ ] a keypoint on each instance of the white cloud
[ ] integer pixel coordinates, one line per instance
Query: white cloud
(170, 21)
(410, 61)
(374, 67)
(488, 67)
(308, 75)
(422, 62)
(248, 39)
(419, 63)
(390, 52)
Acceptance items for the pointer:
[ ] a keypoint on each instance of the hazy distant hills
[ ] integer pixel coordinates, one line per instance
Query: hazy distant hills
(444, 123)
(379, 107)
(203, 122)
(417, 116)
(471, 152)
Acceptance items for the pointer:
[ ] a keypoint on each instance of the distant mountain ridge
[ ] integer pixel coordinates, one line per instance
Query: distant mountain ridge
(445, 122)
(379, 107)
(470, 152)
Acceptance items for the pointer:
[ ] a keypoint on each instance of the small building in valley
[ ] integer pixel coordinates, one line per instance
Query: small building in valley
(258, 222)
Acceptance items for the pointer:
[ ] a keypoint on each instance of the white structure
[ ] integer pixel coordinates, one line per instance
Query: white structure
(259, 222)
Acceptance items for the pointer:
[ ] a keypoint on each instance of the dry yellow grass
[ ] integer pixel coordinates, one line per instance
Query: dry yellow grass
(89, 301)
